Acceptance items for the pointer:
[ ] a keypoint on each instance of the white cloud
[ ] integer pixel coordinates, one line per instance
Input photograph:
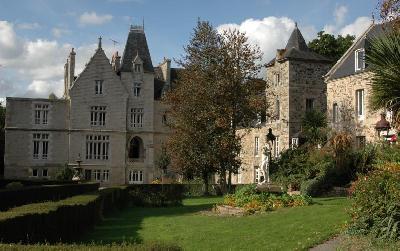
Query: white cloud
(92, 18)
(28, 26)
(10, 45)
(41, 88)
(340, 14)
(357, 27)
(269, 33)
(59, 32)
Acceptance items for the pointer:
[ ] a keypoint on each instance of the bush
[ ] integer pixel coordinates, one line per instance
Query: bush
(14, 185)
(26, 195)
(35, 182)
(376, 206)
(156, 194)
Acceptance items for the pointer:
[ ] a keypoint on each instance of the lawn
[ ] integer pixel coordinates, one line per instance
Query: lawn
(283, 229)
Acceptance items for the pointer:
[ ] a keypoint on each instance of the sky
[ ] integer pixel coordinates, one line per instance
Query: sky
(36, 36)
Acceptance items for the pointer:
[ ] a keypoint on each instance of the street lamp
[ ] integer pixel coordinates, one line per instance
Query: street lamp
(382, 126)
(78, 169)
(270, 139)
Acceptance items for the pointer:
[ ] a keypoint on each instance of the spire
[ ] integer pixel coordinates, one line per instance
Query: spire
(296, 40)
(99, 42)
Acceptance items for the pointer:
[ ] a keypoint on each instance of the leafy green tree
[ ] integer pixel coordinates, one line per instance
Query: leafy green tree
(2, 137)
(315, 127)
(329, 46)
(383, 59)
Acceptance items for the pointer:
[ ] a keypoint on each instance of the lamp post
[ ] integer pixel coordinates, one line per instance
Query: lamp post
(270, 139)
(78, 169)
(382, 126)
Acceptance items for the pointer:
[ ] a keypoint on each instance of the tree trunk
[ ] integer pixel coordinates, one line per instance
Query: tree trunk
(205, 181)
(229, 181)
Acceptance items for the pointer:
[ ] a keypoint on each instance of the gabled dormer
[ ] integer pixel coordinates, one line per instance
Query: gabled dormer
(137, 66)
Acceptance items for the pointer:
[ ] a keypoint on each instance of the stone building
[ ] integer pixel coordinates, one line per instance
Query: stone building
(111, 118)
(348, 91)
(295, 85)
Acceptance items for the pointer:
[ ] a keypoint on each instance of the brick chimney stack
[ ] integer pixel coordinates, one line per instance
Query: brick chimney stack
(279, 53)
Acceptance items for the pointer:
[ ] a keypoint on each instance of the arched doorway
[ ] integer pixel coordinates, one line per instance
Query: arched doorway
(136, 149)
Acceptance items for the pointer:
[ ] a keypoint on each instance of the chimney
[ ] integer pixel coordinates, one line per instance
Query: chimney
(166, 70)
(116, 61)
(279, 53)
(71, 68)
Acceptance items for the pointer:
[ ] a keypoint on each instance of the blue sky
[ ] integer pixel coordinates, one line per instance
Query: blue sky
(35, 36)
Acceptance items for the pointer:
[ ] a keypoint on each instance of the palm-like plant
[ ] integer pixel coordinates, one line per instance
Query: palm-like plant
(383, 59)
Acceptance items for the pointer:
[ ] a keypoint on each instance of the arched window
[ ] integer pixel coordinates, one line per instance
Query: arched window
(136, 149)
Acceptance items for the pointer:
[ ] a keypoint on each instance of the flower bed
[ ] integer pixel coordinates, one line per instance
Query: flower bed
(252, 201)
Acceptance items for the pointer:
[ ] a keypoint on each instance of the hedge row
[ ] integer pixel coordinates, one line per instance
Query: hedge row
(59, 221)
(195, 190)
(25, 195)
(156, 194)
(31, 182)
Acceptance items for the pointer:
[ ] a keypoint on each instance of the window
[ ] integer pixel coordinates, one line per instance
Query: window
(35, 173)
(136, 177)
(106, 175)
(359, 59)
(360, 141)
(40, 145)
(44, 173)
(138, 68)
(137, 117)
(98, 89)
(97, 175)
(309, 104)
(239, 176)
(256, 146)
(41, 114)
(136, 149)
(277, 79)
(360, 103)
(276, 147)
(97, 115)
(295, 142)
(335, 113)
(257, 174)
(97, 147)
(136, 89)
(278, 109)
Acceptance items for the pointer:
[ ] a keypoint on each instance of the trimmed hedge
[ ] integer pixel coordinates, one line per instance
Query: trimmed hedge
(16, 197)
(55, 221)
(156, 194)
(31, 182)
(196, 190)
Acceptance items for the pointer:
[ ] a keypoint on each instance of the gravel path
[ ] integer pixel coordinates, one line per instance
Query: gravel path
(330, 245)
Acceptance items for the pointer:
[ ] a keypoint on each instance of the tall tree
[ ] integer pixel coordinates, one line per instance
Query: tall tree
(390, 12)
(2, 137)
(329, 46)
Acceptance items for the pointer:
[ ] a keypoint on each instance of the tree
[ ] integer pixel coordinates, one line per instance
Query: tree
(329, 46)
(2, 137)
(390, 12)
(383, 59)
(163, 161)
(315, 127)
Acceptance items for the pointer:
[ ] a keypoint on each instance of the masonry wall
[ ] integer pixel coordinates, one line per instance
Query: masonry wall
(343, 92)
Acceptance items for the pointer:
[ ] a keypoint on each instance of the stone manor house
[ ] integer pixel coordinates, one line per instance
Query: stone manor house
(110, 119)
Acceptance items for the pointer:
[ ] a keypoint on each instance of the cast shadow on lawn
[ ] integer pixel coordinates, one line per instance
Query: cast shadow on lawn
(124, 226)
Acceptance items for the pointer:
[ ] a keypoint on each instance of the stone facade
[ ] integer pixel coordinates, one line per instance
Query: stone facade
(110, 117)
(294, 85)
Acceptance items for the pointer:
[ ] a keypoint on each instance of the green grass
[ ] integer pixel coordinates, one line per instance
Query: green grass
(284, 229)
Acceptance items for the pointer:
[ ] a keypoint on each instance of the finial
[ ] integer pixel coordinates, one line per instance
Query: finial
(373, 17)
(295, 25)
(99, 42)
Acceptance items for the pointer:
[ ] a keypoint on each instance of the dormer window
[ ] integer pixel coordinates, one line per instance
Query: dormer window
(360, 59)
(138, 68)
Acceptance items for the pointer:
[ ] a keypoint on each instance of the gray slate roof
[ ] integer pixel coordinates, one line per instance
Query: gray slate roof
(136, 44)
(297, 49)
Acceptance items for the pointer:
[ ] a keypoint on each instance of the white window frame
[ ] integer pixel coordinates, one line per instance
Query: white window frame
(137, 88)
(257, 173)
(97, 174)
(98, 87)
(40, 146)
(43, 173)
(136, 177)
(239, 175)
(256, 145)
(106, 175)
(295, 142)
(357, 68)
(97, 147)
(98, 115)
(137, 115)
(41, 114)
(360, 104)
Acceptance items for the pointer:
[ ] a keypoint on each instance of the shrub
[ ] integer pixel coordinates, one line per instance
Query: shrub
(26, 195)
(14, 185)
(376, 206)
(156, 194)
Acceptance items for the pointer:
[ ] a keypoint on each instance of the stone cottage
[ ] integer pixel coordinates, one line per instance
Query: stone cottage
(295, 85)
(110, 119)
(348, 90)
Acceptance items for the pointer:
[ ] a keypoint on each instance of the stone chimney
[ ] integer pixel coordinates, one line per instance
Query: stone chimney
(166, 70)
(116, 61)
(69, 73)
(280, 53)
